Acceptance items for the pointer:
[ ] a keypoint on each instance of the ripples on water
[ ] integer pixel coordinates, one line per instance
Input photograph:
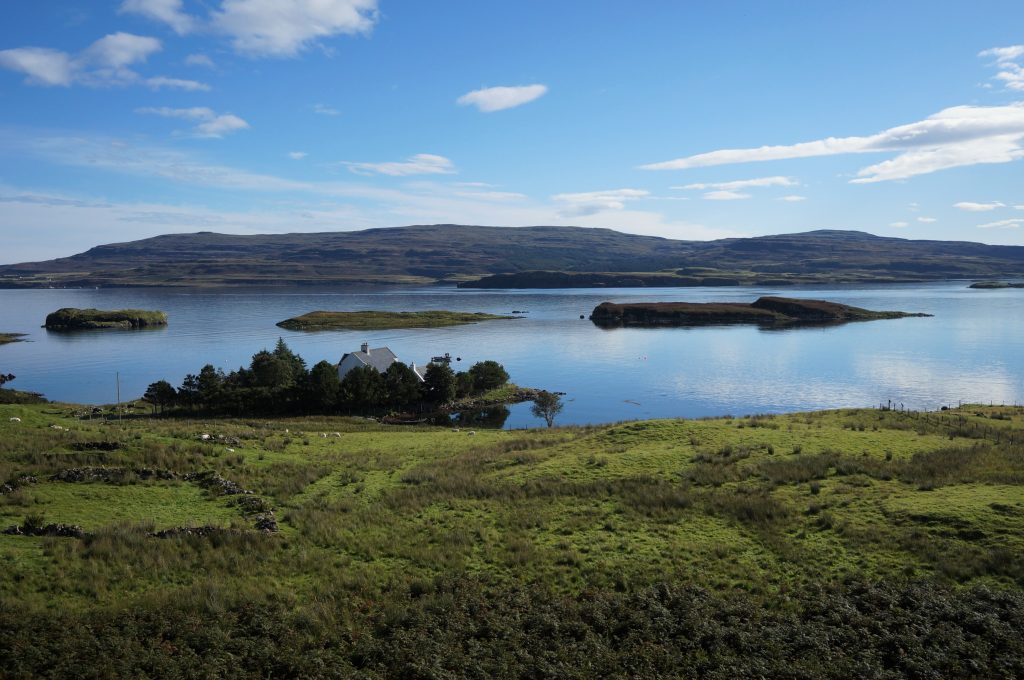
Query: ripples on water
(971, 350)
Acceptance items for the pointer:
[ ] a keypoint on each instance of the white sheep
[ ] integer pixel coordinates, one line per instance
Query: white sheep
(15, 420)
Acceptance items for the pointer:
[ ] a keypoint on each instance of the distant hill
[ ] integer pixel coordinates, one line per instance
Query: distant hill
(448, 252)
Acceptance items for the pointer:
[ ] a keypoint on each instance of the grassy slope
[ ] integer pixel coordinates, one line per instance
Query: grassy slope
(758, 504)
(739, 544)
(376, 320)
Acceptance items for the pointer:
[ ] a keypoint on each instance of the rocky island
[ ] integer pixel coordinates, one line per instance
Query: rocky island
(766, 311)
(72, 319)
(994, 285)
(11, 337)
(377, 320)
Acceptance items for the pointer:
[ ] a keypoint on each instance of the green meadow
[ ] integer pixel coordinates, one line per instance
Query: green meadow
(392, 540)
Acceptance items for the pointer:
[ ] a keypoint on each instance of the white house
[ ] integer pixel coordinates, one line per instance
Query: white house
(378, 357)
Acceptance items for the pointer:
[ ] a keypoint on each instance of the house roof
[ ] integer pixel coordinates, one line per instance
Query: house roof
(377, 357)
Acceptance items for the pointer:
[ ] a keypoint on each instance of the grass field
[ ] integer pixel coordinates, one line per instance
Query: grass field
(766, 507)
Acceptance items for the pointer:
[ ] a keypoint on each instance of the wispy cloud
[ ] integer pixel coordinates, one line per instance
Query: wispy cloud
(199, 60)
(898, 225)
(735, 185)
(297, 155)
(104, 63)
(792, 198)
(1003, 224)
(169, 12)
(491, 99)
(954, 137)
(160, 82)
(926, 220)
(971, 206)
(210, 123)
(592, 202)
(725, 195)
(41, 65)
(325, 110)
(1011, 73)
(420, 164)
(731, 191)
(271, 28)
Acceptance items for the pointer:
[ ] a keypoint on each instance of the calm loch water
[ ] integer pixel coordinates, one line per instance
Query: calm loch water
(971, 350)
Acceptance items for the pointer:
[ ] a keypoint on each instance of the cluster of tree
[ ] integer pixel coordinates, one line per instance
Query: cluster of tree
(278, 382)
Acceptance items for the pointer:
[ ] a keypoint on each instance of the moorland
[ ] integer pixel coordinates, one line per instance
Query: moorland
(515, 257)
(849, 543)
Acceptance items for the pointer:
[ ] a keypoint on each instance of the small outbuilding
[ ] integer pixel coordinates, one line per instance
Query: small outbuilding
(379, 358)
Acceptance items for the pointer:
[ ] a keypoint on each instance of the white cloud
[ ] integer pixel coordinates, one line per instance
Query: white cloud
(971, 206)
(1003, 54)
(926, 220)
(954, 137)
(776, 181)
(325, 110)
(103, 63)
(43, 66)
(492, 195)
(898, 225)
(724, 195)
(169, 12)
(211, 123)
(221, 125)
(120, 50)
(283, 29)
(1003, 224)
(160, 82)
(593, 202)
(420, 164)
(491, 99)
(297, 155)
(199, 60)
(1012, 73)
(793, 198)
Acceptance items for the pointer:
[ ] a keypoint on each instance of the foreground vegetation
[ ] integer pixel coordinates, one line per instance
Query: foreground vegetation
(852, 543)
(72, 319)
(377, 320)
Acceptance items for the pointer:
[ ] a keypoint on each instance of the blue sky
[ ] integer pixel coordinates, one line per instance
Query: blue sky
(126, 119)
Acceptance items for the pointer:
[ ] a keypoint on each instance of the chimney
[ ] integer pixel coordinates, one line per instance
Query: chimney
(365, 347)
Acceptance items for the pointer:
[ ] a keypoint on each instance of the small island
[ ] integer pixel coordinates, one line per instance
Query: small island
(377, 320)
(765, 311)
(72, 319)
(11, 337)
(993, 285)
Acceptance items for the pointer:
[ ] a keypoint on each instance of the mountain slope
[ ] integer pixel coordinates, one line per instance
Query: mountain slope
(427, 253)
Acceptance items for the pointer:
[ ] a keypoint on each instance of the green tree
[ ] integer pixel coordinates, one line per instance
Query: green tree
(439, 383)
(160, 394)
(363, 388)
(271, 371)
(402, 385)
(463, 384)
(210, 386)
(487, 375)
(547, 405)
(323, 387)
(188, 393)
